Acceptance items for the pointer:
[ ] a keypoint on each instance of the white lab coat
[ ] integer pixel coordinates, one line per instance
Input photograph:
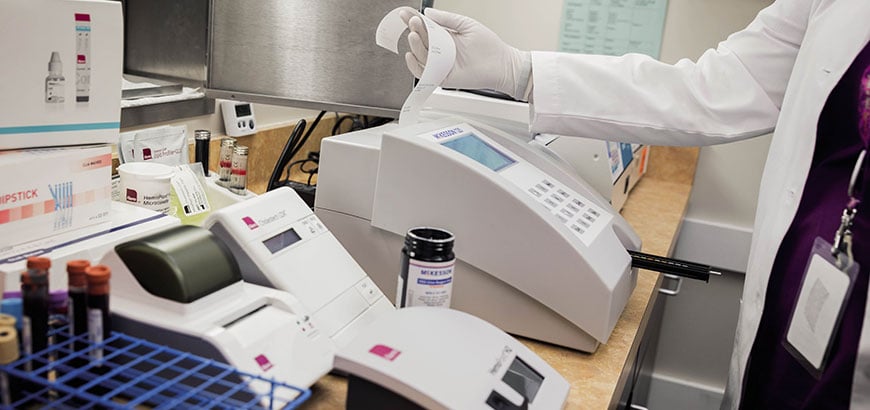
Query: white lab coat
(777, 73)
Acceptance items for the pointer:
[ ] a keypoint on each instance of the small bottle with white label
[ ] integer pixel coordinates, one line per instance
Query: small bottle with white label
(55, 82)
(428, 260)
(239, 170)
(226, 161)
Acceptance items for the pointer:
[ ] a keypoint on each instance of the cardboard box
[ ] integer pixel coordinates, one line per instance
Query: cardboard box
(49, 191)
(612, 168)
(61, 76)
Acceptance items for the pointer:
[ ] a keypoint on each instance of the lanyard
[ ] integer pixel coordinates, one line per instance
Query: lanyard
(842, 248)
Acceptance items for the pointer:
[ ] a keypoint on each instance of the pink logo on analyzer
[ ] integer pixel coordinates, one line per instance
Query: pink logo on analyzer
(132, 195)
(264, 362)
(386, 352)
(250, 222)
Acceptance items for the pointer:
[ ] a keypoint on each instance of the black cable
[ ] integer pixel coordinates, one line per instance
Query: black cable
(285, 156)
(340, 120)
(298, 146)
(311, 172)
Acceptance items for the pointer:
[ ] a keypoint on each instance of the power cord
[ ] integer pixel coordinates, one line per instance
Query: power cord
(311, 164)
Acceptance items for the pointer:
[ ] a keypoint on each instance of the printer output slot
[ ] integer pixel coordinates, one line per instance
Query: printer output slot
(244, 316)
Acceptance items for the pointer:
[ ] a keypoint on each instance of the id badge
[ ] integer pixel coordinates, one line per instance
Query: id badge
(825, 288)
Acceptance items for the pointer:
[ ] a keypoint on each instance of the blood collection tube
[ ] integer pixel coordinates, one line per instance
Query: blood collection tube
(78, 298)
(8, 354)
(99, 327)
(34, 296)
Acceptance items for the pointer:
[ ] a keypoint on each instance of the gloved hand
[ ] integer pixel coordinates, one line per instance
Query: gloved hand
(483, 60)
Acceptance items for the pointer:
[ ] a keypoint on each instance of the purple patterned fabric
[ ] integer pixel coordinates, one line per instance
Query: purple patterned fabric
(774, 379)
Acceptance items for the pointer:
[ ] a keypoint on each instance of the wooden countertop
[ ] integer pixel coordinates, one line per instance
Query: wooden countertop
(655, 209)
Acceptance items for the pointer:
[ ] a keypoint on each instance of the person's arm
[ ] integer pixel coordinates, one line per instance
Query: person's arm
(733, 92)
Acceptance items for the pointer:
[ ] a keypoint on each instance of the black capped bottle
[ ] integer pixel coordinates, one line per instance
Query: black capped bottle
(428, 261)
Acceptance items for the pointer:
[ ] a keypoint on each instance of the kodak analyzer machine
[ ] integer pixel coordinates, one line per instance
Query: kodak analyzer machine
(539, 253)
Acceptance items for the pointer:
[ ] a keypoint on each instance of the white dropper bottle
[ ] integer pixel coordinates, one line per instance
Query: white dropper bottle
(54, 83)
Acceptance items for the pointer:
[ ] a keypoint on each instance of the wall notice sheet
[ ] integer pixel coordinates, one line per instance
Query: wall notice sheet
(612, 27)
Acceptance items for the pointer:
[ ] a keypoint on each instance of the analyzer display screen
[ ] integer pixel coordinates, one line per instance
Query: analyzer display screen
(525, 380)
(477, 149)
(282, 240)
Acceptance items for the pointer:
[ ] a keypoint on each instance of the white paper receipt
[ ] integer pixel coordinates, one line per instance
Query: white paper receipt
(191, 194)
(442, 54)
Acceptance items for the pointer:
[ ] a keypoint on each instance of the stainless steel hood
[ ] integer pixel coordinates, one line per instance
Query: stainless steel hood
(317, 54)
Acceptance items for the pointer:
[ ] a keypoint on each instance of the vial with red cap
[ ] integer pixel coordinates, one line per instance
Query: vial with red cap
(77, 308)
(35, 302)
(99, 327)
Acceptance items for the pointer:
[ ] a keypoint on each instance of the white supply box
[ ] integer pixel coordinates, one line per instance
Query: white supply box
(612, 168)
(125, 222)
(54, 190)
(61, 80)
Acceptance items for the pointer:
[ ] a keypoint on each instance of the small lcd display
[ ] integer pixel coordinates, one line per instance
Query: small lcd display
(522, 378)
(243, 110)
(282, 240)
(477, 149)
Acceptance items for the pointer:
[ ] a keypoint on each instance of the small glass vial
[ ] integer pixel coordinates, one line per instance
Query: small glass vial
(226, 161)
(55, 82)
(99, 325)
(426, 278)
(239, 171)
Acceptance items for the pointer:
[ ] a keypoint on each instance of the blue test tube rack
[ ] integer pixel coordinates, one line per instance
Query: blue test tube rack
(134, 373)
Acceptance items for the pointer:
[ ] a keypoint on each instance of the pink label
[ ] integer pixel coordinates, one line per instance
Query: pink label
(96, 162)
(83, 17)
(250, 222)
(263, 362)
(386, 352)
(146, 154)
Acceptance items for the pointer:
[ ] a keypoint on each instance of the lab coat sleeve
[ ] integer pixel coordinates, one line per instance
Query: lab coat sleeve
(732, 92)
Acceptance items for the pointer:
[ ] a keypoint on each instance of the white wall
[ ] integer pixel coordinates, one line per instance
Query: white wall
(527, 25)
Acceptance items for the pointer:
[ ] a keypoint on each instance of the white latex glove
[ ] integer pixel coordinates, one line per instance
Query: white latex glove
(483, 60)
